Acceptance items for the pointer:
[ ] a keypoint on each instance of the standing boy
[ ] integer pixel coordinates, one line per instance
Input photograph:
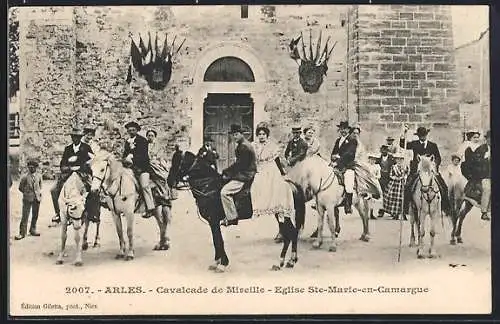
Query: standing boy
(31, 188)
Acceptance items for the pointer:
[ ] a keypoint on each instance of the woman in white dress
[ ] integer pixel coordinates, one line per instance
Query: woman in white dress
(271, 194)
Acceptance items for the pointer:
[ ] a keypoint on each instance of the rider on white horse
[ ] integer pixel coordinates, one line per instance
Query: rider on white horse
(76, 158)
(342, 157)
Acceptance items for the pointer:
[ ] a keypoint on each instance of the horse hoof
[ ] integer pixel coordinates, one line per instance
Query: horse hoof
(420, 256)
(129, 258)
(97, 245)
(119, 256)
(220, 268)
(412, 245)
(459, 240)
(332, 249)
(432, 256)
(275, 268)
(156, 247)
(85, 246)
(78, 263)
(59, 262)
(316, 245)
(453, 242)
(364, 238)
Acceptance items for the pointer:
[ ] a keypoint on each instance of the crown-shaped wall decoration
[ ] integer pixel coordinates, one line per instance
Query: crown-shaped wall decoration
(153, 64)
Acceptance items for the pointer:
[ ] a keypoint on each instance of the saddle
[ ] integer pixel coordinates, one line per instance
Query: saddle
(243, 201)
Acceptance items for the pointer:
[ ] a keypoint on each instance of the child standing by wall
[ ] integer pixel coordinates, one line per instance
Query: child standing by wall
(31, 188)
(393, 198)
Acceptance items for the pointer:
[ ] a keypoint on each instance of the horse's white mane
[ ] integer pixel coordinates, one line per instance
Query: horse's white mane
(74, 190)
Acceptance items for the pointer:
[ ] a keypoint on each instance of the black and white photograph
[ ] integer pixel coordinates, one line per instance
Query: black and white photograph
(249, 159)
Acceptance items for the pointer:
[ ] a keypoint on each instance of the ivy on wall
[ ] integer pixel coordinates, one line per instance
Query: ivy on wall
(13, 52)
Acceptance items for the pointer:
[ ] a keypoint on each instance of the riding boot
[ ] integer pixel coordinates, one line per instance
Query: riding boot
(348, 203)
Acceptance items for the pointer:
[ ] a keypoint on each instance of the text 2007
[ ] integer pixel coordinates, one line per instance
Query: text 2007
(77, 290)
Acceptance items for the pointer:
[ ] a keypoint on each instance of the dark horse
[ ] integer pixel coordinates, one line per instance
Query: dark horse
(206, 184)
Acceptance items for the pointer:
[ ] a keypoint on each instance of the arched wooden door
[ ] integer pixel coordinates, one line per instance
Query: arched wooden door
(220, 110)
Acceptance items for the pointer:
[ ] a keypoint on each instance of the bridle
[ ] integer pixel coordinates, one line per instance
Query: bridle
(427, 192)
(101, 184)
(330, 178)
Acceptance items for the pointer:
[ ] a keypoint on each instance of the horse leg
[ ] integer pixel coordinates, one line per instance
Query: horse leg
(466, 208)
(421, 234)
(85, 244)
(77, 226)
(330, 217)
(97, 239)
(130, 236)
(337, 221)
(294, 258)
(119, 231)
(364, 213)
(454, 213)
(167, 219)
(321, 216)
(279, 237)
(412, 226)
(222, 261)
(159, 219)
(64, 236)
(284, 249)
(433, 220)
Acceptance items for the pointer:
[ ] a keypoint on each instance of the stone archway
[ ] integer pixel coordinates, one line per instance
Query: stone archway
(201, 88)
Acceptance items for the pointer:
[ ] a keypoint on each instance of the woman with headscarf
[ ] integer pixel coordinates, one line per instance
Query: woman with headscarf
(159, 167)
(312, 141)
(271, 194)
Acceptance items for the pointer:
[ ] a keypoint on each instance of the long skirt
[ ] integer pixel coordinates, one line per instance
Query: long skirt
(366, 181)
(159, 176)
(271, 194)
(393, 197)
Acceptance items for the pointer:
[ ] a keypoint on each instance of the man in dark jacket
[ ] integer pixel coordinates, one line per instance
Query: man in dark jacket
(296, 149)
(76, 158)
(239, 173)
(422, 146)
(136, 156)
(342, 157)
(208, 152)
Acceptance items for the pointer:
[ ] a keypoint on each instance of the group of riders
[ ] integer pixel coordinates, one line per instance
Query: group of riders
(258, 166)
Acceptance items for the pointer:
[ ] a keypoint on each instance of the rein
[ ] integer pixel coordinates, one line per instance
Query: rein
(331, 177)
(428, 192)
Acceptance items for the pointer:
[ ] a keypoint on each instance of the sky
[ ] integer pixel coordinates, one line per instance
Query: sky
(469, 22)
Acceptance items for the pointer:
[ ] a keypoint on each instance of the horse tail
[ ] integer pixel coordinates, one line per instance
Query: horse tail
(299, 202)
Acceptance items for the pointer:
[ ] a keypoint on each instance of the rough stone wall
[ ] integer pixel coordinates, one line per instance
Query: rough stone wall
(47, 37)
(96, 48)
(407, 72)
(472, 62)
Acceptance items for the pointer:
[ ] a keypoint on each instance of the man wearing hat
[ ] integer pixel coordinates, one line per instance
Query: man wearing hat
(30, 186)
(342, 158)
(296, 149)
(76, 158)
(136, 155)
(208, 153)
(423, 146)
(241, 172)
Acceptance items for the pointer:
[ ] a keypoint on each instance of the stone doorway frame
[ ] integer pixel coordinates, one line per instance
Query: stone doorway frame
(201, 89)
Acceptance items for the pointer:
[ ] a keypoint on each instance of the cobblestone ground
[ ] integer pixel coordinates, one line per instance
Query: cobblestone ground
(459, 281)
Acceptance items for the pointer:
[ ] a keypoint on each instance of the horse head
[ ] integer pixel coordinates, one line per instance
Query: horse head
(74, 196)
(426, 170)
(101, 170)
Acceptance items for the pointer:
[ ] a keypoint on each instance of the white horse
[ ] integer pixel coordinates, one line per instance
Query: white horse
(318, 180)
(72, 205)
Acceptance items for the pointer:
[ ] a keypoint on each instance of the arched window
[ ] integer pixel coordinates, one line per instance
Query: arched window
(229, 69)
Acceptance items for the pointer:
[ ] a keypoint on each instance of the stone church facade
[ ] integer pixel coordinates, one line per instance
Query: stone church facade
(391, 65)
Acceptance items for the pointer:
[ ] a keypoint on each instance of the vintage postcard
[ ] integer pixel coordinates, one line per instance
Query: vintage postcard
(249, 159)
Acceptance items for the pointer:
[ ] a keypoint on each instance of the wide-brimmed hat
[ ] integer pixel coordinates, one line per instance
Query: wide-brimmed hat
(422, 131)
(75, 131)
(343, 124)
(234, 128)
(473, 131)
(296, 129)
(389, 139)
(89, 130)
(133, 124)
(384, 148)
(373, 155)
(32, 162)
